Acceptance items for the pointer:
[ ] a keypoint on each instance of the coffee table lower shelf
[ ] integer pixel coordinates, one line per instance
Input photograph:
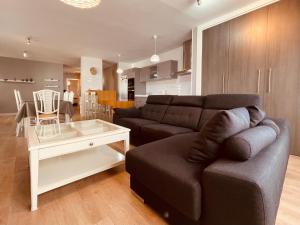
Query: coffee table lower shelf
(65, 169)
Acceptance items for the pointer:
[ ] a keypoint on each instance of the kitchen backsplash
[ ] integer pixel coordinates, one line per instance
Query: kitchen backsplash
(179, 86)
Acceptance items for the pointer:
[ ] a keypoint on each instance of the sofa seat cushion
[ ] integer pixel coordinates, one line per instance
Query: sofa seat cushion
(134, 124)
(153, 132)
(161, 166)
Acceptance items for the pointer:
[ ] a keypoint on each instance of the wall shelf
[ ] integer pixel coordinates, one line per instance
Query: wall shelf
(51, 86)
(16, 81)
(51, 80)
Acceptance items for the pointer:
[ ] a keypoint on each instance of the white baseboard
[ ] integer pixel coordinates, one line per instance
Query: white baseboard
(8, 114)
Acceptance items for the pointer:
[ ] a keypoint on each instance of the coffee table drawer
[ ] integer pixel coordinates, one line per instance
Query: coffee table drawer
(68, 148)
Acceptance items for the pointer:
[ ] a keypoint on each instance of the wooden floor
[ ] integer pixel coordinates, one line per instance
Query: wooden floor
(104, 198)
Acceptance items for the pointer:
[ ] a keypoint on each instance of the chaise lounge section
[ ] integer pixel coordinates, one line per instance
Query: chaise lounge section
(225, 192)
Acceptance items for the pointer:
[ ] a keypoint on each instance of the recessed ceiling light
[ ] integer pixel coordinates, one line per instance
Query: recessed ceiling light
(83, 4)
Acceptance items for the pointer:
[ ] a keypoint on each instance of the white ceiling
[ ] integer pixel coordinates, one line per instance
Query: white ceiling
(62, 33)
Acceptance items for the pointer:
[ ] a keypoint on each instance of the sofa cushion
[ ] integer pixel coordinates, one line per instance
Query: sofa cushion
(134, 124)
(270, 123)
(161, 167)
(153, 112)
(206, 115)
(159, 99)
(231, 101)
(194, 101)
(224, 124)
(183, 116)
(153, 132)
(249, 143)
(256, 115)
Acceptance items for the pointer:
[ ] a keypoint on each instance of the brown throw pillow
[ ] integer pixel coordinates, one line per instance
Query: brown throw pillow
(249, 143)
(270, 123)
(224, 124)
(256, 115)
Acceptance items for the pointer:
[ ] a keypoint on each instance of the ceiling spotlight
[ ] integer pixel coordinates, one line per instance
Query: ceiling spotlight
(83, 4)
(198, 2)
(25, 54)
(28, 41)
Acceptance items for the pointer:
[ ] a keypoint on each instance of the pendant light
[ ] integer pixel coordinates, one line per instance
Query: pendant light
(119, 70)
(155, 58)
(83, 4)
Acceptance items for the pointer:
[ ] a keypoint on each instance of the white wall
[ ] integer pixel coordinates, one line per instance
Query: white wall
(89, 81)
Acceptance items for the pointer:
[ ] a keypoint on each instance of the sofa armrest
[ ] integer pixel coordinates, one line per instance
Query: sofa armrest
(247, 192)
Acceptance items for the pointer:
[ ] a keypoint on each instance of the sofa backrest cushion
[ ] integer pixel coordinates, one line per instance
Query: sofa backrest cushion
(159, 99)
(224, 124)
(153, 112)
(183, 116)
(231, 101)
(193, 101)
(249, 143)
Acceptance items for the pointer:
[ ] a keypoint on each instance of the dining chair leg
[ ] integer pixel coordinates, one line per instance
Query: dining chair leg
(18, 129)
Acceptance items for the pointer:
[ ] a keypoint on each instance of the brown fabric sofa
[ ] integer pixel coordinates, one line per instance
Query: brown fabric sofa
(226, 192)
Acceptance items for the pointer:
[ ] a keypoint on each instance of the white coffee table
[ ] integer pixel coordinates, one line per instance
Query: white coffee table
(66, 152)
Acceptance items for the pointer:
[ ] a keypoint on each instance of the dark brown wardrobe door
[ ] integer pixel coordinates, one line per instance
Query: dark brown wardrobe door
(215, 59)
(247, 52)
(282, 97)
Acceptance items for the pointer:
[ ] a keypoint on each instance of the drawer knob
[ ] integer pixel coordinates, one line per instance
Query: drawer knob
(91, 144)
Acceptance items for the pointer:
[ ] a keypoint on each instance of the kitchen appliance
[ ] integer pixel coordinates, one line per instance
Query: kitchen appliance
(131, 89)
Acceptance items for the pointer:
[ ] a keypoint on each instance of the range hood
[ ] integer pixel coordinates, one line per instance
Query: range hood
(187, 59)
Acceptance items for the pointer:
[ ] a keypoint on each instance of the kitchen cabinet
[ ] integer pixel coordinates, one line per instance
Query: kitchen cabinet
(144, 75)
(260, 55)
(167, 70)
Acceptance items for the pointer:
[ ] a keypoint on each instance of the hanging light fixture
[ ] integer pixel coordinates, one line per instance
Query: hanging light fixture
(155, 58)
(25, 54)
(83, 4)
(119, 70)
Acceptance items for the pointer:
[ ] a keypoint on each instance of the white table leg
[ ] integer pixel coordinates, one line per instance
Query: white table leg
(34, 175)
(126, 143)
(26, 126)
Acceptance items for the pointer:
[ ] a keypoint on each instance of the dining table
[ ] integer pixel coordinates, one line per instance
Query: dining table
(27, 110)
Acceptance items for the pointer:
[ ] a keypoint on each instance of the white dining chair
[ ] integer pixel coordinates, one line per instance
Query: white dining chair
(46, 104)
(19, 103)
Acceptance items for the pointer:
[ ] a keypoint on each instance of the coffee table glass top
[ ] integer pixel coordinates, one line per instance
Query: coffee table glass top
(62, 131)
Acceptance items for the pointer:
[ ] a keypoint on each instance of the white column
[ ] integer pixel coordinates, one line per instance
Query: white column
(197, 61)
(87, 80)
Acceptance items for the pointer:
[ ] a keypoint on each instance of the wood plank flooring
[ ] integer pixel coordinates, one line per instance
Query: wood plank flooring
(102, 199)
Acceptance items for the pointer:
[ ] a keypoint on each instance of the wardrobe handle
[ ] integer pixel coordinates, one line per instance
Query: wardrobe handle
(223, 84)
(269, 80)
(258, 81)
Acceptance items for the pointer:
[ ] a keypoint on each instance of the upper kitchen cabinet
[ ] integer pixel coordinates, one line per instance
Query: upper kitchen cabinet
(187, 55)
(247, 52)
(167, 70)
(144, 74)
(132, 73)
(215, 59)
